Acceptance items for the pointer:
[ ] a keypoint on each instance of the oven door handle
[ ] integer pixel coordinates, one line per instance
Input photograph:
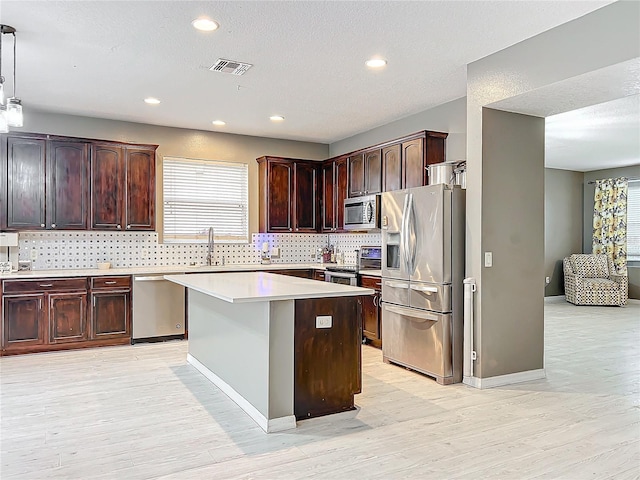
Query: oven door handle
(411, 312)
(340, 275)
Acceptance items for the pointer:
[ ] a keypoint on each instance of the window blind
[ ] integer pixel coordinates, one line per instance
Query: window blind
(198, 194)
(633, 221)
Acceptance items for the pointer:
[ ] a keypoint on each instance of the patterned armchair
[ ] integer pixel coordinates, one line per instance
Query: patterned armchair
(592, 280)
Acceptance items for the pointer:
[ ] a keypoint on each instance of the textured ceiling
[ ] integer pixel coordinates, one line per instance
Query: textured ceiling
(101, 59)
(592, 120)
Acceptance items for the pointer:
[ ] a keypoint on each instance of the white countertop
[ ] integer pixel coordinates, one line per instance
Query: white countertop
(242, 287)
(158, 270)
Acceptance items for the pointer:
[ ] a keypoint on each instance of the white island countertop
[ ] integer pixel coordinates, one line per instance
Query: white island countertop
(245, 287)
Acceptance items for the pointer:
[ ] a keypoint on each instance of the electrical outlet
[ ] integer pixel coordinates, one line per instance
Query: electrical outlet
(275, 251)
(547, 280)
(34, 254)
(488, 259)
(323, 321)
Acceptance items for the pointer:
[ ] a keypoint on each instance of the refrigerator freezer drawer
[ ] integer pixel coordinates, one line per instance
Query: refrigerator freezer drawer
(418, 339)
(395, 291)
(430, 296)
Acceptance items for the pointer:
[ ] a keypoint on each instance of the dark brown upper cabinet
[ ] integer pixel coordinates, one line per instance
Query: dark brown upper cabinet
(107, 187)
(306, 197)
(47, 184)
(26, 160)
(55, 182)
(328, 207)
(140, 170)
(123, 186)
(288, 195)
(392, 168)
(67, 185)
(356, 175)
(365, 173)
(334, 191)
(413, 163)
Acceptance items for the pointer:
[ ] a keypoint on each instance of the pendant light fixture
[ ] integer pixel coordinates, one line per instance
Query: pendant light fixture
(12, 111)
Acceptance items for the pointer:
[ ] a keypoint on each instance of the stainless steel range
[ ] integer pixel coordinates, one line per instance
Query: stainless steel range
(368, 258)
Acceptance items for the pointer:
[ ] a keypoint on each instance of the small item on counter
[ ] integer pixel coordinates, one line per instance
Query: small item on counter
(104, 265)
(24, 265)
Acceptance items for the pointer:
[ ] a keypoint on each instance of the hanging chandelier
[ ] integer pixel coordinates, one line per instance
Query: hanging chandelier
(11, 109)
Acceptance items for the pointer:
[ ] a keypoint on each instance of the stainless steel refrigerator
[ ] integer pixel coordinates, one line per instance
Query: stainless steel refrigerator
(423, 262)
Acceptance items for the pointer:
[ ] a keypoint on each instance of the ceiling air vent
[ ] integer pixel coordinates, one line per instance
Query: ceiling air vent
(230, 66)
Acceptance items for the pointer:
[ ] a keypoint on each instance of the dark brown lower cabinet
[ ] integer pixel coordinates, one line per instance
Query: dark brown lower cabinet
(111, 308)
(327, 360)
(23, 325)
(372, 311)
(110, 314)
(52, 314)
(67, 317)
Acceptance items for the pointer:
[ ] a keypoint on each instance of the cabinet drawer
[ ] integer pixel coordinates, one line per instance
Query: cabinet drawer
(111, 282)
(44, 285)
(371, 282)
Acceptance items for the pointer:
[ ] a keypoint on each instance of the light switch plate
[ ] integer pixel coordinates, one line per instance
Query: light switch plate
(488, 259)
(323, 321)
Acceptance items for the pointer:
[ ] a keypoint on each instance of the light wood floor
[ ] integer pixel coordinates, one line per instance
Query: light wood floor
(141, 412)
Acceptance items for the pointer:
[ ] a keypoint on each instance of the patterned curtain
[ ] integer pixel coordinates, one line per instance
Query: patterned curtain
(610, 221)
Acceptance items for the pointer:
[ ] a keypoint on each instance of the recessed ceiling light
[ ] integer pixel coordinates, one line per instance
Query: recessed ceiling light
(276, 118)
(219, 123)
(151, 101)
(375, 62)
(205, 24)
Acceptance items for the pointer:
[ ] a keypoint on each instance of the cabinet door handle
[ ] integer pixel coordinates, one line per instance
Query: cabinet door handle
(111, 282)
(40, 304)
(94, 301)
(118, 226)
(53, 225)
(128, 226)
(46, 284)
(375, 303)
(42, 225)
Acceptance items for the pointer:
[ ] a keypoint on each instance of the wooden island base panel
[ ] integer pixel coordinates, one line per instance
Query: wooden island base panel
(282, 348)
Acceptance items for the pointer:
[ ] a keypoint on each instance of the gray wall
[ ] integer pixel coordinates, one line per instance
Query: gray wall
(180, 142)
(562, 223)
(589, 190)
(449, 117)
(605, 37)
(513, 217)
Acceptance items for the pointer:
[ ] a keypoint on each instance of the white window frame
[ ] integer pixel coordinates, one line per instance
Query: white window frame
(198, 194)
(633, 221)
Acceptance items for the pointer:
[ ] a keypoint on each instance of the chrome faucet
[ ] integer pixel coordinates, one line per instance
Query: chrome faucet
(211, 248)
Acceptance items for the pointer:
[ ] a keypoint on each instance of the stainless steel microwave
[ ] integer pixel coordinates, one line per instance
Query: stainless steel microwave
(362, 213)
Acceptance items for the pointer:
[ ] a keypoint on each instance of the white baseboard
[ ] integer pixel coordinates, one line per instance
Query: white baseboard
(268, 425)
(501, 380)
(634, 301)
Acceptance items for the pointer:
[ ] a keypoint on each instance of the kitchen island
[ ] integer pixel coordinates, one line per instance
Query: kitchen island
(283, 348)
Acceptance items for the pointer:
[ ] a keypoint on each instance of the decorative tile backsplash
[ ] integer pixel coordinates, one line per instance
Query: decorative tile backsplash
(66, 250)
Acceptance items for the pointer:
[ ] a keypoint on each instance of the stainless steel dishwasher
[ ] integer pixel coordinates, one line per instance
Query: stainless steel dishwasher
(158, 309)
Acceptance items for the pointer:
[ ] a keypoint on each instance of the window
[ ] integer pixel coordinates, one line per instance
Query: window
(198, 194)
(633, 221)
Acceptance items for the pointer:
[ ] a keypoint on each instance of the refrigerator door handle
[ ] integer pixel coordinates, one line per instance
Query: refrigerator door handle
(404, 233)
(411, 246)
(412, 313)
(396, 284)
(422, 288)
